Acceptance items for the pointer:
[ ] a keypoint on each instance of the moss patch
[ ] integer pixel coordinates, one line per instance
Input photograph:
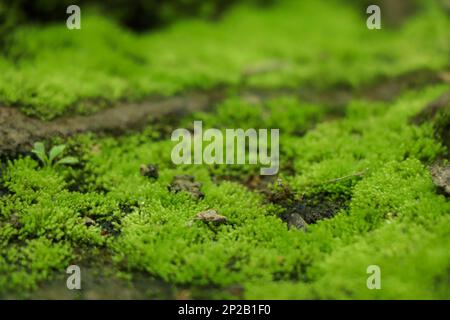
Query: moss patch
(105, 203)
(48, 71)
(359, 175)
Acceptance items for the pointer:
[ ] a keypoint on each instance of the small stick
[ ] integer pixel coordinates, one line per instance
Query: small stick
(358, 174)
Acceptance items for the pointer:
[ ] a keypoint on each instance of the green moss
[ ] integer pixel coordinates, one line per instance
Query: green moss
(288, 113)
(42, 206)
(48, 71)
(371, 135)
(392, 218)
(413, 260)
(160, 239)
(371, 155)
(22, 267)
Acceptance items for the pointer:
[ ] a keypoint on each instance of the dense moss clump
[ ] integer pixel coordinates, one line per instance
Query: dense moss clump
(394, 217)
(49, 70)
(354, 171)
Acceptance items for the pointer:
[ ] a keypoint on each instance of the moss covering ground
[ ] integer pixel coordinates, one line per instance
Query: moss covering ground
(45, 69)
(103, 209)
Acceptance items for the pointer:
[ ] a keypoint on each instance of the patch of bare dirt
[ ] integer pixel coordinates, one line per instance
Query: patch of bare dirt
(302, 210)
(18, 131)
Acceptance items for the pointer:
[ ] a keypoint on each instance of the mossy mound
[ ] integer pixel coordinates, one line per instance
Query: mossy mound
(393, 213)
(355, 171)
(48, 71)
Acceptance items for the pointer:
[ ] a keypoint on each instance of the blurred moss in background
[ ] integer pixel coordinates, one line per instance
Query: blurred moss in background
(138, 14)
(320, 43)
(141, 15)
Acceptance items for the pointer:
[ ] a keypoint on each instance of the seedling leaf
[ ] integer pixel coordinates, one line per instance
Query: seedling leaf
(67, 160)
(39, 151)
(56, 151)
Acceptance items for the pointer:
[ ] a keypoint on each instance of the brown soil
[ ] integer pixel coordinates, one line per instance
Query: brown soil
(18, 131)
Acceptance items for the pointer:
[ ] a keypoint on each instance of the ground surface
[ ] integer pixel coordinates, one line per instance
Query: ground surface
(364, 124)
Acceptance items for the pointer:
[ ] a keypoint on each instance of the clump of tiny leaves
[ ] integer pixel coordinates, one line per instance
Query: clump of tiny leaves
(394, 217)
(51, 159)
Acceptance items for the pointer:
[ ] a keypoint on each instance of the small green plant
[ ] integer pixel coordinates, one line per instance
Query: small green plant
(55, 152)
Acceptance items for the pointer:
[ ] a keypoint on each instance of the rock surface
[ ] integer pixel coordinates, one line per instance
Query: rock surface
(211, 216)
(441, 178)
(186, 183)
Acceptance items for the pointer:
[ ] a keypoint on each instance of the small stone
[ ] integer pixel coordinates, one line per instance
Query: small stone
(441, 177)
(295, 220)
(88, 222)
(186, 183)
(149, 171)
(211, 216)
